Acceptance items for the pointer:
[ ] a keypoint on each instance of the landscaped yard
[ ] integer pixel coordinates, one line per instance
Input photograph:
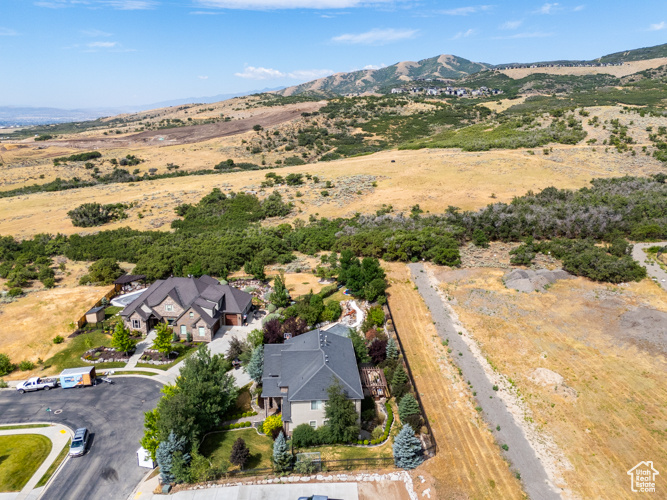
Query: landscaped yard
(20, 456)
(186, 350)
(70, 357)
(217, 448)
(341, 452)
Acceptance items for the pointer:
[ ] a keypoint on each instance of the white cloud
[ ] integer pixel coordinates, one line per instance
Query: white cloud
(203, 13)
(259, 73)
(534, 34)
(511, 25)
(310, 74)
(548, 8)
(375, 66)
(102, 45)
(95, 33)
(7, 32)
(282, 4)
(657, 26)
(579, 8)
(464, 11)
(376, 36)
(131, 4)
(463, 34)
(203, 77)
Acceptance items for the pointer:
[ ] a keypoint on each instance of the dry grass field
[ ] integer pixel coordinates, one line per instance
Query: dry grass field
(609, 410)
(468, 463)
(628, 68)
(434, 179)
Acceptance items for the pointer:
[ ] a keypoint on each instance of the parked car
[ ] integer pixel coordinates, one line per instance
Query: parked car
(79, 443)
(37, 384)
(315, 497)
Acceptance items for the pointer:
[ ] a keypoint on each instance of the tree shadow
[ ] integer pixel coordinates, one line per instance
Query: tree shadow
(3, 458)
(253, 461)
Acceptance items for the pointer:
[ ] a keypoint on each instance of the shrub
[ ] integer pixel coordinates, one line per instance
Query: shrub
(303, 436)
(6, 366)
(15, 291)
(3, 384)
(26, 365)
(505, 447)
(272, 425)
(58, 339)
(365, 442)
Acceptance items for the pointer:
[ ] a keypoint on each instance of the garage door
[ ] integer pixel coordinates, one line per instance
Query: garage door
(231, 319)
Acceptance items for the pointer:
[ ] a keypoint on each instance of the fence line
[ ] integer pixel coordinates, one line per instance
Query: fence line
(330, 465)
(434, 445)
(109, 295)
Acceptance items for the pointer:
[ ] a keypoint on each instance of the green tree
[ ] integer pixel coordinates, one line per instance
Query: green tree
(360, 348)
(255, 367)
(150, 440)
(6, 366)
(303, 436)
(282, 458)
(165, 455)
(480, 239)
(392, 350)
(163, 338)
(256, 338)
(255, 268)
(121, 340)
(407, 449)
(280, 295)
(407, 406)
(341, 414)
(399, 383)
(104, 271)
(203, 392)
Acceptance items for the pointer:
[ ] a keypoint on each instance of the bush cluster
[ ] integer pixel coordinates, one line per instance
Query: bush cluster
(237, 425)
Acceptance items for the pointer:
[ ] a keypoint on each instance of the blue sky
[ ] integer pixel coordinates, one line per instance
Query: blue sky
(101, 53)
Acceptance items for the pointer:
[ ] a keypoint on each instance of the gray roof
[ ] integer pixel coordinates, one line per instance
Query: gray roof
(338, 329)
(129, 278)
(197, 293)
(95, 309)
(307, 365)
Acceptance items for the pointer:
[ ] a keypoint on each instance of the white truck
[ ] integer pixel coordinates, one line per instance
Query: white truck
(37, 384)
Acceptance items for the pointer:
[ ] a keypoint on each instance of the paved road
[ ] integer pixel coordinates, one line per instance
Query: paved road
(520, 453)
(114, 416)
(653, 270)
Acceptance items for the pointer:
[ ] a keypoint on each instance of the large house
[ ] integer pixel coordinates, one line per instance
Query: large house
(298, 373)
(195, 306)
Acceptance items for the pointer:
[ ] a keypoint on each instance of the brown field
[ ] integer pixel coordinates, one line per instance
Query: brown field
(434, 179)
(468, 463)
(610, 411)
(28, 325)
(628, 68)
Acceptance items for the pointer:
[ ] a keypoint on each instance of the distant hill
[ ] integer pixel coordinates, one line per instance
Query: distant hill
(371, 80)
(636, 55)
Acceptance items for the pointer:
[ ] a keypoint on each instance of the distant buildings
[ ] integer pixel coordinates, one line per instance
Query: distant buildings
(449, 91)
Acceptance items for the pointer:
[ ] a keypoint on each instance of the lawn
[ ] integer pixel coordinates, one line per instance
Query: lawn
(54, 466)
(70, 357)
(24, 426)
(20, 456)
(341, 452)
(217, 448)
(110, 311)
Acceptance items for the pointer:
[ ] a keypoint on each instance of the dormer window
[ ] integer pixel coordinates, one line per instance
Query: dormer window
(169, 307)
(192, 315)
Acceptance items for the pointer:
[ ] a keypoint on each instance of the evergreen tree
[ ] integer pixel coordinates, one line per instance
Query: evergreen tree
(342, 415)
(407, 449)
(240, 453)
(392, 350)
(163, 338)
(121, 340)
(255, 367)
(407, 406)
(280, 295)
(165, 455)
(282, 458)
(360, 348)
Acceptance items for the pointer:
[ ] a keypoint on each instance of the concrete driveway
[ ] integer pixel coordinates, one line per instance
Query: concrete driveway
(114, 416)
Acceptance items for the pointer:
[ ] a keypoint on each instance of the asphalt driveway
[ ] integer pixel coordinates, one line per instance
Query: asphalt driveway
(114, 416)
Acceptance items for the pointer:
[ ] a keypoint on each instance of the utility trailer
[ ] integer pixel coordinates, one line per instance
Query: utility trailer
(77, 377)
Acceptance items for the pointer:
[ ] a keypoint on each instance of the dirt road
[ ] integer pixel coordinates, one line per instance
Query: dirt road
(468, 463)
(520, 453)
(653, 269)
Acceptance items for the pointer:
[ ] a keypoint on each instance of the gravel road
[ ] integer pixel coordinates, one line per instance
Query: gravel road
(654, 270)
(520, 453)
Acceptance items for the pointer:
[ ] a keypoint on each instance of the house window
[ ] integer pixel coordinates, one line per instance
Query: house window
(313, 424)
(202, 331)
(325, 422)
(184, 330)
(316, 405)
(169, 307)
(136, 323)
(192, 315)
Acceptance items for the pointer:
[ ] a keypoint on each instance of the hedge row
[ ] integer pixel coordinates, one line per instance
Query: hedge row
(238, 425)
(387, 428)
(243, 415)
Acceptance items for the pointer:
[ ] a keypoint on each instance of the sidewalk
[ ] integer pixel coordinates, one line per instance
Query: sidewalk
(59, 435)
(141, 346)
